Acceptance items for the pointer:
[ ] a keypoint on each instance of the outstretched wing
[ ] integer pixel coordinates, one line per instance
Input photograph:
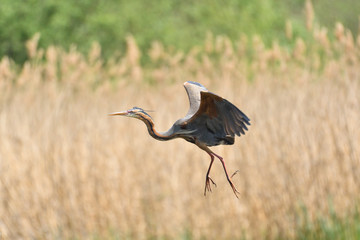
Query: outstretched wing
(219, 115)
(193, 90)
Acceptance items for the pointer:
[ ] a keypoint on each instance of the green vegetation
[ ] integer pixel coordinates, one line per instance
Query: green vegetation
(333, 227)
(181, 24)
(331, 11)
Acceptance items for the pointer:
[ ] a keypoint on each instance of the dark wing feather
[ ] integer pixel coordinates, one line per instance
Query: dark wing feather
(220, 115)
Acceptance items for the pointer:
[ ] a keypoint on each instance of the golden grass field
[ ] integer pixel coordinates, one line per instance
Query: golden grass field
(69, 171)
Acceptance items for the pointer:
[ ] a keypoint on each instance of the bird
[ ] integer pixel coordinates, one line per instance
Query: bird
(210, 121)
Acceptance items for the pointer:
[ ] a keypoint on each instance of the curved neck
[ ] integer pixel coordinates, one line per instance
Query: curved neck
(162, 136)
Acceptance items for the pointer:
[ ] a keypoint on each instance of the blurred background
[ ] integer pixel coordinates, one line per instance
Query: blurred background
(178, 24)
(68, 171)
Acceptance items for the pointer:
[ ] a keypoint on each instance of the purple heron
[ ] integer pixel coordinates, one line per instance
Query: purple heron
(210, 121)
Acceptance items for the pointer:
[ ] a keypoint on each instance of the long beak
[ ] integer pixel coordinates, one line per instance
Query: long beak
(124, 113)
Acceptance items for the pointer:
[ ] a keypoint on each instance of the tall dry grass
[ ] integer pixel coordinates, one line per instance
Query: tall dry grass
(67, 170)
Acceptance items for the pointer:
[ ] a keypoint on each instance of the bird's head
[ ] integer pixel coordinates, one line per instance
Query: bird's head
(134, 112)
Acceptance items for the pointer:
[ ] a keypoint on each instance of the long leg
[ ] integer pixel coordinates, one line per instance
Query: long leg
(227, 175)
(208, 179)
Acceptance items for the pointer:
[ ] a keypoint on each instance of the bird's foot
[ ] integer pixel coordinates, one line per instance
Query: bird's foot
(236, 192)
(208, 185)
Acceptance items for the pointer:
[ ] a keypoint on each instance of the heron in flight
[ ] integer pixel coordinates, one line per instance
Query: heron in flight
(210, 121)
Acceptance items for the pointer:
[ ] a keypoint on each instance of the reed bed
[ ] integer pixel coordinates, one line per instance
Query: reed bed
(67, 170)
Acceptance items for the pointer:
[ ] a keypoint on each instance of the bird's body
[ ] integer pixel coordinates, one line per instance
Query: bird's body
(210, 121)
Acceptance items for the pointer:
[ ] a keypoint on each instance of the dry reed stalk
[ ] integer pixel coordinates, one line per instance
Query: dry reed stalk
(32, 46)
(309, 14)
(288, 29)
(299, 50)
